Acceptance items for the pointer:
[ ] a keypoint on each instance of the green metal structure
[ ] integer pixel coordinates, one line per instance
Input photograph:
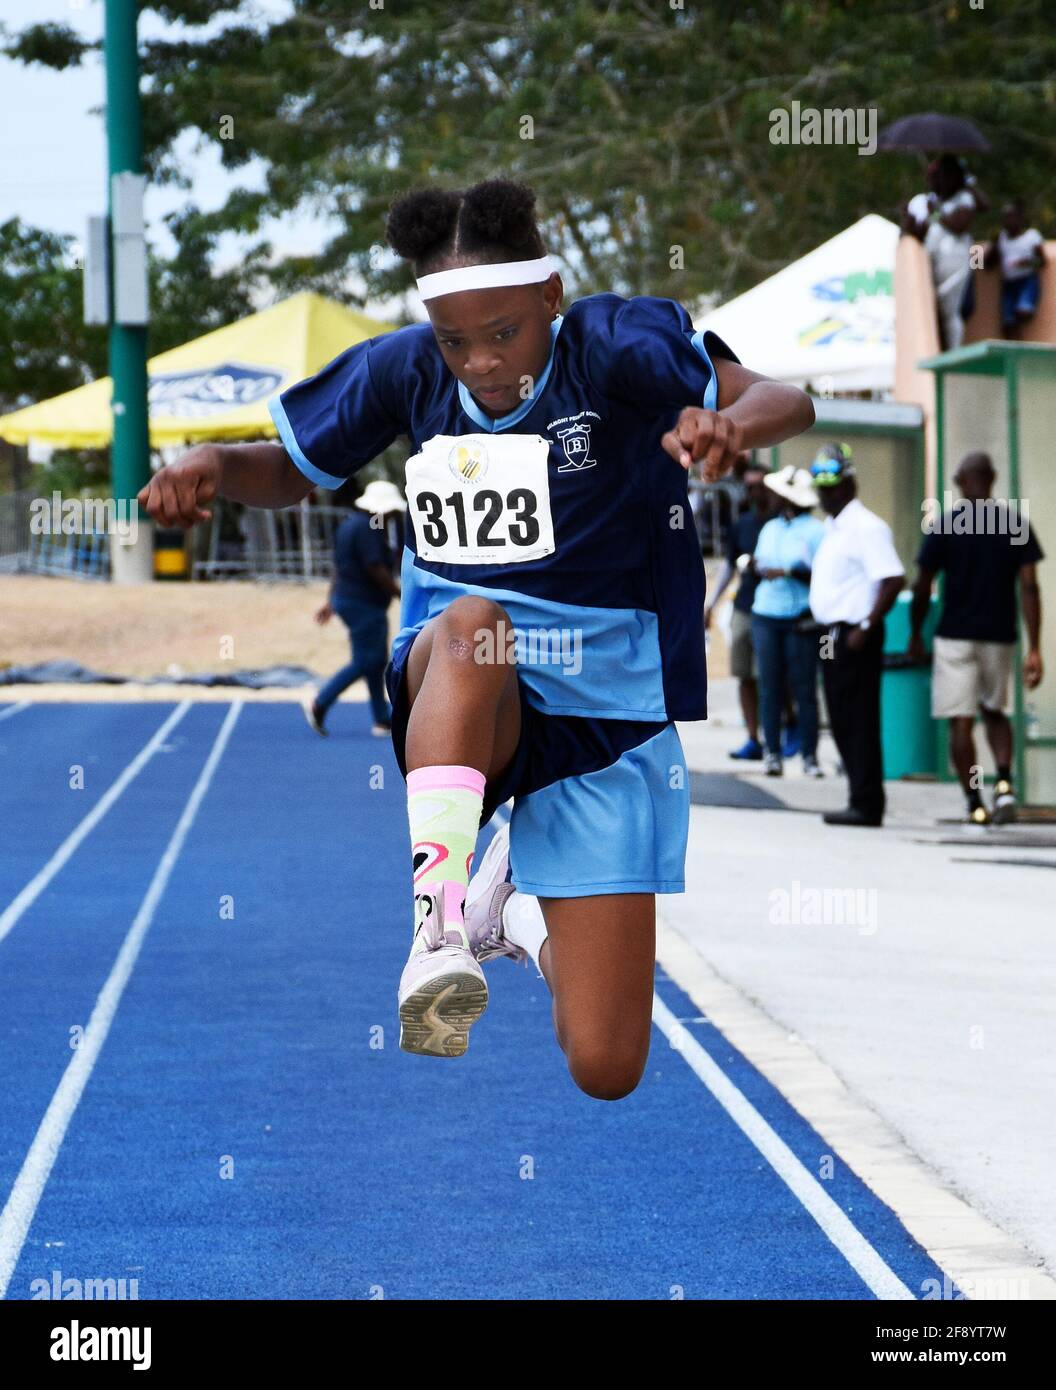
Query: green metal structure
(130, 453)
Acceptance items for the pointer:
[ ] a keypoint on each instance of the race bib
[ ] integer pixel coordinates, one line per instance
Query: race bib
(481, 499)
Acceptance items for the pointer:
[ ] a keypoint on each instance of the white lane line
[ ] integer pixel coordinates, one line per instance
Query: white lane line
(847, 1239)
(14, 709)
(17, 1216)
(850, 1242)
(983, 1261)
(40, 881)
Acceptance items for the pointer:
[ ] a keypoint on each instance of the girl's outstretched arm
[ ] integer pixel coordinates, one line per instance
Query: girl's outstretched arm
(753, 413)
(261, 475)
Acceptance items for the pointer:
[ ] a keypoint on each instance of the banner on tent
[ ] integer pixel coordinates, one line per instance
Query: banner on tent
(212, 390)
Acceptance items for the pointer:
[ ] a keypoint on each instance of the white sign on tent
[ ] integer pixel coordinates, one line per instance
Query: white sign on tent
(828, 319)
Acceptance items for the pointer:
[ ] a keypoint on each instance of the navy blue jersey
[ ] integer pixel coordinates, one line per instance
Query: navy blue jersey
(982, 565)
(566, 511)
(357, 546)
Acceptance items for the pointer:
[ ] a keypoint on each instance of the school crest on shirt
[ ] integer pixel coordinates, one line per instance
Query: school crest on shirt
(575, 441)
(468, 462)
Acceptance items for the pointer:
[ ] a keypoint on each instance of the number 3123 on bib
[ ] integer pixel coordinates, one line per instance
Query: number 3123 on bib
(481, 499)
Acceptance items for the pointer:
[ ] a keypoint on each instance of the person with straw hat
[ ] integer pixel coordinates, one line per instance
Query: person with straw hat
(360, 591)
(782, 628)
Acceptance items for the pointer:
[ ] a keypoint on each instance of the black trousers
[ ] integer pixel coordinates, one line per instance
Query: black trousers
(852, 695)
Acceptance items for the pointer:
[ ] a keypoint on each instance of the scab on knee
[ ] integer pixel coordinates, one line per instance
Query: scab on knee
(460, 648)
(476, 629)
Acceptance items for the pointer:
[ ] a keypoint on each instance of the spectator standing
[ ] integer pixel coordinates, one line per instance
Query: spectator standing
(984, 548)
(1021, 252)
(361, 589)
(942, 219)
(856, 578)
(782, 627)
(741, 540)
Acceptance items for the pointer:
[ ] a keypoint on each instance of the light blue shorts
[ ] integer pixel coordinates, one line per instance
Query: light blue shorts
(619, 829)
(599, 805)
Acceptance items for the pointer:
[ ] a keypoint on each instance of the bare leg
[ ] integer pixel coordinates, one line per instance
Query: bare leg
(599, 956)
(464, 712)
(464, 720)
(998, 735)
(598, 960)
(962, 751)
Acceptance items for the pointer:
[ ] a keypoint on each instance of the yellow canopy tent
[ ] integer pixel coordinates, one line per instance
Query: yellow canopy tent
(216, 387)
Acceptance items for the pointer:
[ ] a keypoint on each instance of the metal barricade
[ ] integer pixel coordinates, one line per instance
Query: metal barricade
(294, 544)
(81, 555)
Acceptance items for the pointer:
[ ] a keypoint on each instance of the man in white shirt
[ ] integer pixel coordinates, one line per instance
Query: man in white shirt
(855, 579)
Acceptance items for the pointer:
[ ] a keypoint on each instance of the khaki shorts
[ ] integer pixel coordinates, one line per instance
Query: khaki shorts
(742, 648)
(965, 675)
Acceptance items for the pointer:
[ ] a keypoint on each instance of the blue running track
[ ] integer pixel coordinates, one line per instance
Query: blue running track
(239, 1122)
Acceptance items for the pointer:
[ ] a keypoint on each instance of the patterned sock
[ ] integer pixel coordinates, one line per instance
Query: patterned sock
(523, 924)
(443, 807)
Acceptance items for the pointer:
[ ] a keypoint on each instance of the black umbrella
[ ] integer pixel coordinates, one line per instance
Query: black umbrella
(930, 131)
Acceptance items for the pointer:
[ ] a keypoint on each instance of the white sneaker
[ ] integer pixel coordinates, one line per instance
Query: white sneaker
(486, 896)
(812, 768)
(442, 990)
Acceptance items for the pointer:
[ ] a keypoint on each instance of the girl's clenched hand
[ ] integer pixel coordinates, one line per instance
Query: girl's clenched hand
(705, 435)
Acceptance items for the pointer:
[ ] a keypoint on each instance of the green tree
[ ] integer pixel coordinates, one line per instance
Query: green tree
(644, 125)
(45, 347)
(189, 296)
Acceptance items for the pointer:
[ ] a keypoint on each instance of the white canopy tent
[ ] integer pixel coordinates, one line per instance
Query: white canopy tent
(828, 319)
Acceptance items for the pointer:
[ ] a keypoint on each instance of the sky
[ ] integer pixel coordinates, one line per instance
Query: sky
(53, 148)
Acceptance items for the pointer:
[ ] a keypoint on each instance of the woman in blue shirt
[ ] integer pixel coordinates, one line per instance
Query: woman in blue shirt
(786, 648)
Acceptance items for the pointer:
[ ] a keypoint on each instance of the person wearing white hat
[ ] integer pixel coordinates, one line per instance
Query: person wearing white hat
(360, 591)
(381, 498)
(782, 628)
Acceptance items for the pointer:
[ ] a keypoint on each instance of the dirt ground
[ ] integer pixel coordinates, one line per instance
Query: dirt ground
(149, 630)
(177, 629)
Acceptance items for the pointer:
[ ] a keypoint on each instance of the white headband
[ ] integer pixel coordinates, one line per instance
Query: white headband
(485, 277)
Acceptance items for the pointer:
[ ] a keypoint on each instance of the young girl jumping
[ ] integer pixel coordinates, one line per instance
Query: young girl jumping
(552, 604)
